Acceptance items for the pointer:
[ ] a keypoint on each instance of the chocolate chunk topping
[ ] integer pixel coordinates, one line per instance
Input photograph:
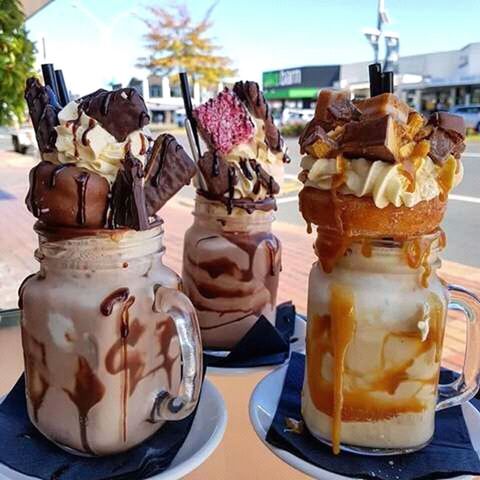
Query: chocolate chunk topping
(43, 107)
(212, 162)
(127, 206)
(120, 112)
(334, 108)
(447, 137)
(250, 94)
(314, 134)
(168, 169)
(376, 139)
(454, 124)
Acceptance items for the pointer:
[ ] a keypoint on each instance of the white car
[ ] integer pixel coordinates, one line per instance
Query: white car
(297, 115)
(23, 138)
(471, 115)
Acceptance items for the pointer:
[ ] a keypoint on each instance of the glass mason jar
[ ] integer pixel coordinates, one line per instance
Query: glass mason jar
(375, 332)
(231, 267)
(112, 347)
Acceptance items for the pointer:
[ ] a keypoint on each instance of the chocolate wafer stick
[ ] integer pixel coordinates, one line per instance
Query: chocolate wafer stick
(375, 75)
(63, 96)
(49, 78)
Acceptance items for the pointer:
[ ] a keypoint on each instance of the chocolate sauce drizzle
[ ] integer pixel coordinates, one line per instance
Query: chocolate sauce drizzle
(232, 181)
(245, 170)
(56, 171)
(30, 200)
(119, 295)
(88, 391)
(82, 181)
(91, 126)
(35, 357)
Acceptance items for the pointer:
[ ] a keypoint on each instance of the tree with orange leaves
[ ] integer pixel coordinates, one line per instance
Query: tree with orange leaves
(177, 43)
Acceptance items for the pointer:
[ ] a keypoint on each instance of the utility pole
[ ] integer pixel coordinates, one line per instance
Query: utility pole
(392, 41)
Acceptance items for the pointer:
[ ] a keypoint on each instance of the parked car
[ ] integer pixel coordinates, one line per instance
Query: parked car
(23, 138)
(471, 115)
(297, 115)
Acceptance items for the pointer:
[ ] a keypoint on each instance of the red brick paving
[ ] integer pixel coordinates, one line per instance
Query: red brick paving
(17, 243)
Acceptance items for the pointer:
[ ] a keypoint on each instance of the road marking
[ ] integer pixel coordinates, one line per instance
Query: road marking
(464, 198)
(460, 198)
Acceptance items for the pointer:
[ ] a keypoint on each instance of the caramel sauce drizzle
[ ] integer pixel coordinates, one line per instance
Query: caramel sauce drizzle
(332, 334)
(446, 177)
(342, 327)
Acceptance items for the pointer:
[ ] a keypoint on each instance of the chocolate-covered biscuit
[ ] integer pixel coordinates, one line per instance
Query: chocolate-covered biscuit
(68, 196)
(168, 169)
(127, 206)
(376, 139)
(215, 172)
(250, 93)
(43, 107)
(120, 112)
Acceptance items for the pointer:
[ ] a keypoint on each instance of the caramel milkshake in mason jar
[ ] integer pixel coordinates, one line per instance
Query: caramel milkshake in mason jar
(376, 180)
(231, 260)
(110, 343)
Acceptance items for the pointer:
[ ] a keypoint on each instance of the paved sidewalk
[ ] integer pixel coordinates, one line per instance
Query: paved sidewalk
(17, 242)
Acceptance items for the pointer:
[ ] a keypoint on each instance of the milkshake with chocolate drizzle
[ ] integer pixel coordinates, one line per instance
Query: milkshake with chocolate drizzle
(103, 360)
(232, 260)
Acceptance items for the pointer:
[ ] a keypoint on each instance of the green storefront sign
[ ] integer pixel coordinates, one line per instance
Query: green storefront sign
(290, 93)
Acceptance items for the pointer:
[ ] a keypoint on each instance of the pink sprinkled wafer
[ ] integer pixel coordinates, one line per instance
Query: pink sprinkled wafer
(224, 122)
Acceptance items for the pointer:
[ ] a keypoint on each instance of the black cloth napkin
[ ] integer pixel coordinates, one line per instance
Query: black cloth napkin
(263, 345)
(449, 454)
(24, 449)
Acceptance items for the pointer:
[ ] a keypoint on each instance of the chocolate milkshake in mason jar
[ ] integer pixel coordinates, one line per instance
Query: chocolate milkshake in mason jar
(376, 180)
(232, 260)
(110, 343)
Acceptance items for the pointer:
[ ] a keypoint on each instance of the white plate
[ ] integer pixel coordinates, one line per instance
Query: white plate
(206, 433)
(263, 405)
(299, 333)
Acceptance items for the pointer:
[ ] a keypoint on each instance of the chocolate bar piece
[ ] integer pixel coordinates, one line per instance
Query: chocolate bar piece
(252, 96)
(43, 107)
(317, 136)
(120, 112)
(375, 139)
(215, 172)
(454, 124)
(224, 122)
(334, 108)
(384, 104)
(447, 137)
(168, 169)
(127, 205)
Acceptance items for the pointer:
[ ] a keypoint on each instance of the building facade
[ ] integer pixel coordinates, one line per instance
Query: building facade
(428, 82)
(163, 99)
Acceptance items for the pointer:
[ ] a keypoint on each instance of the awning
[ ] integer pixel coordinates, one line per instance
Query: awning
(31, 7)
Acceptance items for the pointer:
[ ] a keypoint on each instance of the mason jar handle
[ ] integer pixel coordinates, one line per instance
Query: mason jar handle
(467, 384)
(178, 307)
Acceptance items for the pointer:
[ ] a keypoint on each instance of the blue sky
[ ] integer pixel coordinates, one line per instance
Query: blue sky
(257, 35)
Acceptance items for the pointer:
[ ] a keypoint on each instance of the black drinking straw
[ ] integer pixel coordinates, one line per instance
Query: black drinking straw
(387, 82)
(49, 78)
(375, 75)
(62, 88)
(187, 102)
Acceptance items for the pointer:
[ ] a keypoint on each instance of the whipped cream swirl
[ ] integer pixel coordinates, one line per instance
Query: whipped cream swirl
(383, 181)
(83, 141)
